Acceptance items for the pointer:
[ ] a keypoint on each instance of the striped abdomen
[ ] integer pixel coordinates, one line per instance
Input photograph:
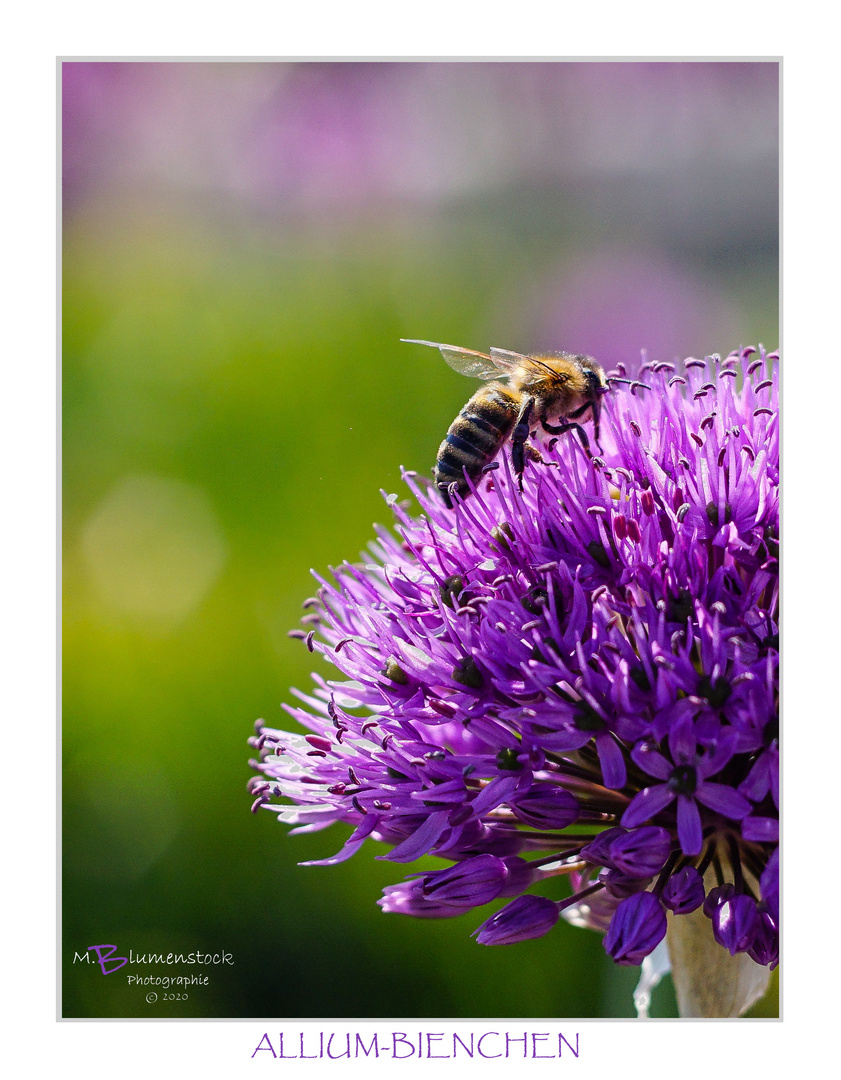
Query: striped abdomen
(475, 437)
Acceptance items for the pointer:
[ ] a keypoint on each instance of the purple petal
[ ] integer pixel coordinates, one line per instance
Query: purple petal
(718, 754)
(614, 773)
(651, 761)
(546, 806)
(689, 825)
(735, 923)
(468, 884)
(421, 840)
(498, 791)
(762, 830)
(353, 843)
(723, 799)
(646, 804)
(638, 925)
(524, 918)
(682, 742)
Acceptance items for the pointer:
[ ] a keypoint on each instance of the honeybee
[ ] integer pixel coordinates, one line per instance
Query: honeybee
(553, 392)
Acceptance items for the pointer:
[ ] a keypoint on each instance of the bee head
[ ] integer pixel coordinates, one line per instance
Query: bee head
(596, 387)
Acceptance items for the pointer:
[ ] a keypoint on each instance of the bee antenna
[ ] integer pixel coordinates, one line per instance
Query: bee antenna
(631, 382)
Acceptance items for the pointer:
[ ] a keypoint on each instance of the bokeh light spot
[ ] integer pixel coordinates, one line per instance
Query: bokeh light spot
(153, 549)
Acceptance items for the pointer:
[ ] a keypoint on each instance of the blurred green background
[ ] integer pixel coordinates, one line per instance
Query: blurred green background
(243, 246)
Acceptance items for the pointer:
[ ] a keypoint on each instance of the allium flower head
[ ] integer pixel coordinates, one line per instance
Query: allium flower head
(577, 679)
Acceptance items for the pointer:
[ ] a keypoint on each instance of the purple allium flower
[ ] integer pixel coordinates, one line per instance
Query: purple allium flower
(641, 853)
(466, 884)
(524, 918)
(637, 927)
(684, 891)
(577, 680)
(735, 923)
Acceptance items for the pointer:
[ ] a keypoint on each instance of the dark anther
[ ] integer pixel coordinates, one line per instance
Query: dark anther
(682, 511)
(451, 589)
(683, 780)
(352, 775)
(640, 678)
(535, 599)
(716, 692)
(715, 517)
(468, 674)
(435, 755)
(358, 805)
(393, 671)
(539, 651)
(507, 760)
(596, 551)
(771, 731)
(379, 804)
(772, 541)
(587, 719)
(503, 535)
(679, 608)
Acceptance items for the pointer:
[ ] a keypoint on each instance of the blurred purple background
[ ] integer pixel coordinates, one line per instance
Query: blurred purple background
(644, 195)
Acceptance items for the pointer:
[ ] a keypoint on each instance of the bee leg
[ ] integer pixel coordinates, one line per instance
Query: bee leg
(518, 439)
(559, 429)
(533, 454)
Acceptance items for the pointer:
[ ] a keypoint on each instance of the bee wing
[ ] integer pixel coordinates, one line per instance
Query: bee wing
(512, 360)
(469, 362)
